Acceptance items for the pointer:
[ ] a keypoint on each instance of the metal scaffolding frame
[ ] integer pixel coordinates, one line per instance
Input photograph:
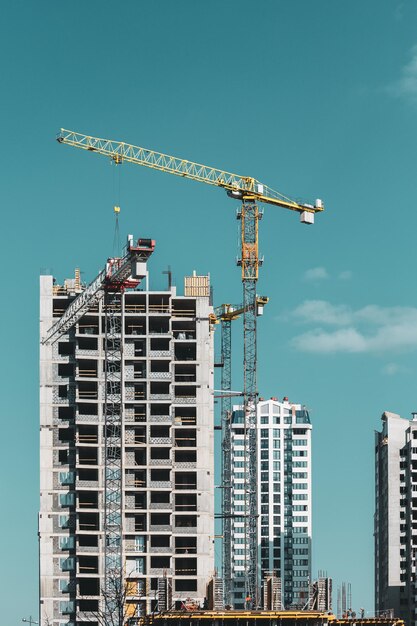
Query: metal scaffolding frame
(113, 470)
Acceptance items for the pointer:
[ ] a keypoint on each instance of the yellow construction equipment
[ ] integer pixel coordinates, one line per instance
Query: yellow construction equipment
(249, 191)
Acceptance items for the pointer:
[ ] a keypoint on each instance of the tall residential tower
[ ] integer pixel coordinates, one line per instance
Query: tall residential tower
(284, 502)
(164, 364)
(396, 517)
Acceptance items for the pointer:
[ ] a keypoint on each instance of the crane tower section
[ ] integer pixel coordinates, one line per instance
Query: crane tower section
(227, 313)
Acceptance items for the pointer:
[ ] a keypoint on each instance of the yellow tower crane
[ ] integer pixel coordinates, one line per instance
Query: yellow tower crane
(226, 314)
(249, 191)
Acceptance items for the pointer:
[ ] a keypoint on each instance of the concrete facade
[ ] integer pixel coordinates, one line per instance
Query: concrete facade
(396, 517)
(167, 452)
(284, 500)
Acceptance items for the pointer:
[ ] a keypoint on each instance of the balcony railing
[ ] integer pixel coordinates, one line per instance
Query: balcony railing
(160, 375)
(160, 462)
(167, 419)
(185, 400)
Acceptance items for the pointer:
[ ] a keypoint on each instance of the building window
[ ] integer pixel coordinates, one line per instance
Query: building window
(67, 543)
(67, 478)
(67, 607)
(67, 499)
(140, 565)
(64, 585)
(67, 565)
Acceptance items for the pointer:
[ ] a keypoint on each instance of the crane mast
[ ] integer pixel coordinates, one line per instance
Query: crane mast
(250, 267)
(227, 313)
(250, 192)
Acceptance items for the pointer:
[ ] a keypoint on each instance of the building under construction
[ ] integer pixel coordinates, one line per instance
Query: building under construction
(126, 431)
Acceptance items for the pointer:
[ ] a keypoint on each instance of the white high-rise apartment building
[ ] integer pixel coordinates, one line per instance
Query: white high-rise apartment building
(167, 451)
(396, 517)
(284, 500)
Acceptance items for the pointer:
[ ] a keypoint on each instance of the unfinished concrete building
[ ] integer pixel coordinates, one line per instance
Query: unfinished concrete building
(166, 450)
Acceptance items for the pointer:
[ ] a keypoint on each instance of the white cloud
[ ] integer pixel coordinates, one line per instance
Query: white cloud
(322, 312)
(342, 340)
(406, 85)
(316, 273)
(391, 368)
(346, 275)
(369, 329)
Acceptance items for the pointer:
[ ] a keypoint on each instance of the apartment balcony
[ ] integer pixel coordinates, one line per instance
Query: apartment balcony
(160, 396)
(161, 571)
(83, 395)
(87, 549)
(82, 417)
(159, 308)
(57, 442)
(135, 307)
(69, 588)
(134, 396)
(160, 440)
(134, 482)
(84, 352)
(160, 419)
(129, 349)
(60, 397)
(59, 527)
(160, 484)
(160, 353)
(132, 460)
(159, 332)
(86, 484)
(136, 502)
(184, 530)
(186, 465)
(185, 400)
(130, 374)
(129, 525)
(166, 462)
(160, 550)
(133, 437)
(57, 356)
(160, 528)
(160, 375)
(164, 506)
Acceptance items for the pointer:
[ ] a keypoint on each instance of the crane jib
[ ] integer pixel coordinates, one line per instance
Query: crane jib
(233, 183)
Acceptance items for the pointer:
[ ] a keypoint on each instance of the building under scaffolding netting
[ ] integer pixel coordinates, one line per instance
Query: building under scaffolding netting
(262, 618)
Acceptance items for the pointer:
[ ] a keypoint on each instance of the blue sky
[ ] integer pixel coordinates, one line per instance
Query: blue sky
(316, 99)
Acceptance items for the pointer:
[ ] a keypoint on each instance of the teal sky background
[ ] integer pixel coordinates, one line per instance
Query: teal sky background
(314, 98)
